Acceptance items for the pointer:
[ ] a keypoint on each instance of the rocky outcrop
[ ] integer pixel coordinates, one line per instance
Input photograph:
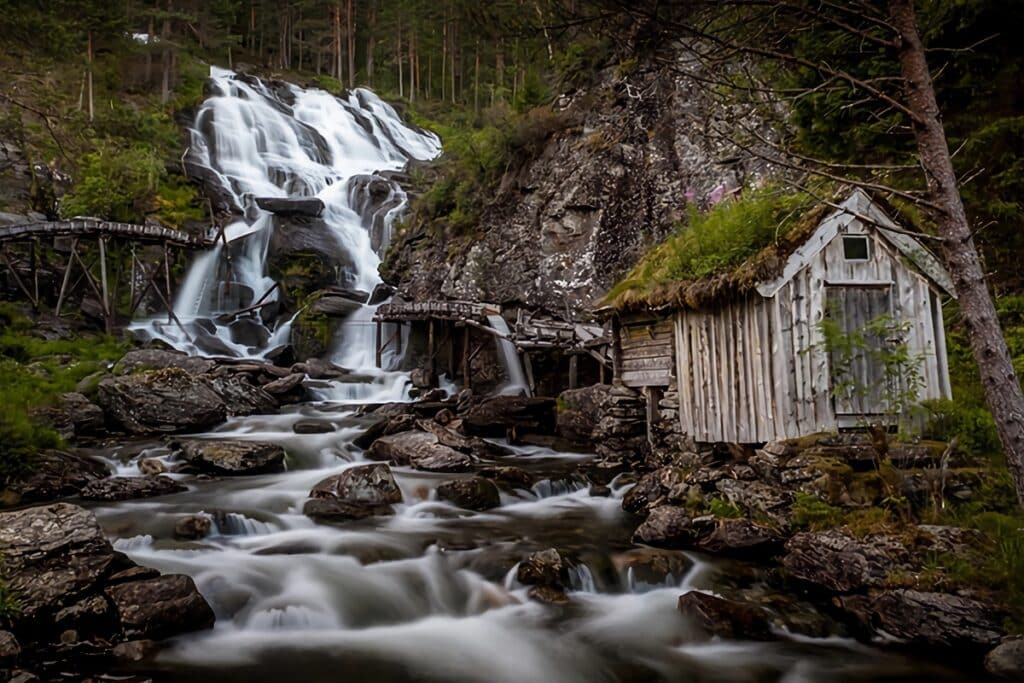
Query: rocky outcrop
(498, 415)
(358, 492)
(475, 493)
(545, 572)
(232, 458)
(74, 415)
(836, 561)
(667, 526)
(168, 400)
(78, 597)
(127, 488)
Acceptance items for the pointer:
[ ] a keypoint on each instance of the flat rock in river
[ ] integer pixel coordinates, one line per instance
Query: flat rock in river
(420, 450)
(127, 488)
(234, 457)
(836, 561)
(357, 492)
(475, 493)
(54, 474)
(726, 618)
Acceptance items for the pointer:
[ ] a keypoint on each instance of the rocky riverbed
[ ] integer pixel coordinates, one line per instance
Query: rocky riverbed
(461, 538)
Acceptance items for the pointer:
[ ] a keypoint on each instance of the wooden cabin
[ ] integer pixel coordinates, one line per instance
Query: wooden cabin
(751, 364)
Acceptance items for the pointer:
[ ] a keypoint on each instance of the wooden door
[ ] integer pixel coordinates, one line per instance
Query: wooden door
(857, 374)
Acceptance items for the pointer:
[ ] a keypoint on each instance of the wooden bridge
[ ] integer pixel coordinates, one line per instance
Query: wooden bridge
(103, 286)
(93, 227)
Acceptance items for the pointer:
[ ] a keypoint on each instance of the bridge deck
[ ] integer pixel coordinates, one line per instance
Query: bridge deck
(93, 228)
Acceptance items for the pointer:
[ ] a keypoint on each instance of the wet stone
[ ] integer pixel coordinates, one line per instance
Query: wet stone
(233, 457)
(127, 488)
(667, 526)
(356, 493)
(475, 493)
(542, 568)
(726, 618)
(193, 527)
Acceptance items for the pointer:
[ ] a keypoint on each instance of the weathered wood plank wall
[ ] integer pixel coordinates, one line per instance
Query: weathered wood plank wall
(756, 369)
(647, 351)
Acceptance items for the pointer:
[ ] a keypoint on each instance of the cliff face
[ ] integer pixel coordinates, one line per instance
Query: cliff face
(565, 225)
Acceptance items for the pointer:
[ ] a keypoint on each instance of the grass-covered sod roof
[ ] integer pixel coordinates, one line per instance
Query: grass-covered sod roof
(720, 253)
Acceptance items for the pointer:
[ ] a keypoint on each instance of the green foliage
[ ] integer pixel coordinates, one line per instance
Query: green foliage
(811, 512)
(731, 232)
(115, 183)
(971, 424)
(577, 64)
(880, 343)
(177, 202)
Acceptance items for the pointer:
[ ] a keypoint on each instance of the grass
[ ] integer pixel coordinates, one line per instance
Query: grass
(810, 512)
(709, 243)
(10, 606)
(35, 372)
(724, 509)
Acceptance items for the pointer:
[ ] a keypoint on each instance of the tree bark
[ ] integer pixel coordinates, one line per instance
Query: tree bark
(351, 29)
(1002, 388)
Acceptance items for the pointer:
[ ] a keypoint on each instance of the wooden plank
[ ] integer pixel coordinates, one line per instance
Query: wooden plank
(684, 375)
(644, 378)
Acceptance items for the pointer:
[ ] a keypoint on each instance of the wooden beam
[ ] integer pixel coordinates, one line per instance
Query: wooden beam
(573, 371)
(528, 365)
(616, 350)
(450, 336)
(18, 280)
(430, 347)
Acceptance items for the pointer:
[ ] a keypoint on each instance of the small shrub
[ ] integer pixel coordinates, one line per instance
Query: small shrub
(972, 424)
(10, 606)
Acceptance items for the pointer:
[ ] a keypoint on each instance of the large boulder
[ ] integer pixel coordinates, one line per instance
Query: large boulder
(233, 457)
(75, 415)
(161, 401)
(160, 607)
(357, 492)
(664, 485)
(420, 450)
(475, 493)
(127, 488)
(288, 206)
(52, 556)
(740, 538)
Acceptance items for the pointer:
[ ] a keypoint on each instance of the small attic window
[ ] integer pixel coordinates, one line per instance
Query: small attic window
(855, 247)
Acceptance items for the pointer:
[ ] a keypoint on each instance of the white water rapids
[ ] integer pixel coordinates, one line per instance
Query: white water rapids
(428, 594)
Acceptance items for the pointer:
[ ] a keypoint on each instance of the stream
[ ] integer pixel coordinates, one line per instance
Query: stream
(430, 593)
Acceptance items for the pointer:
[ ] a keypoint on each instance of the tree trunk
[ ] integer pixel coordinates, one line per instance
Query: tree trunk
(476, 79)
(351, 28)
(1002, 388)
(88, 59)
(398, 53)
(371, 26)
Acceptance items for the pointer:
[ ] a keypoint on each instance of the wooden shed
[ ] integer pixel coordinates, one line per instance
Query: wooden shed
(752, 365)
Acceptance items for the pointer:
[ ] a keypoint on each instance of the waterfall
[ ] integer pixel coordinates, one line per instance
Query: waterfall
(255, 140)
(510, 360)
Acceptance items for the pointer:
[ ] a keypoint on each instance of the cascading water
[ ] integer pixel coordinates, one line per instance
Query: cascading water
(430, 593)
(279, 141)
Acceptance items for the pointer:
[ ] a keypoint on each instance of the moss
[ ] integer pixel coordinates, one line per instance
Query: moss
(732, 247)
(10, 606)
(722, 508)
(810, 512)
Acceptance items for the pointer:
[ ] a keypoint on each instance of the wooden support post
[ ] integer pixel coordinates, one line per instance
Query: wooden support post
(67, 276)
(131, 281)
(380, 349)
(467, 380)
(107, 317)
(430, 347)
(450, 329)
(573, 371)
(600, 372)
(398, 338)
(528, 365)
(616, 351)
(18, 280)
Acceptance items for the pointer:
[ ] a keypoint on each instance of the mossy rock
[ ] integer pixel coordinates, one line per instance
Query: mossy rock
(312, 334)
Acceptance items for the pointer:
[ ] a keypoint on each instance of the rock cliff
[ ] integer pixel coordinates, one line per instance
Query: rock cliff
(635, 151)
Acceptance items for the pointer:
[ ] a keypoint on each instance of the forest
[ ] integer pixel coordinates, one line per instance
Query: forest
(567, 340)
